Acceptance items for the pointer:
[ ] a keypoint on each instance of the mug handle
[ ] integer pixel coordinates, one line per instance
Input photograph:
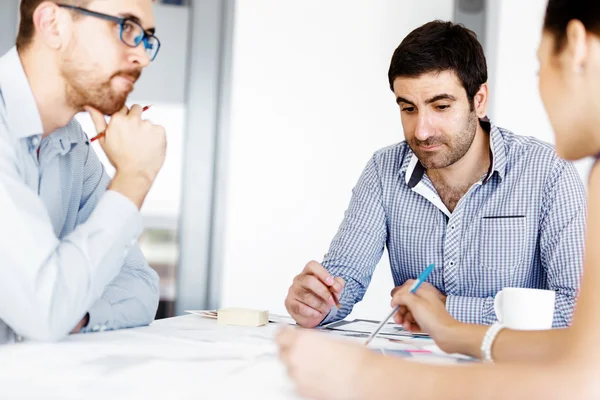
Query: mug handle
(498, 306)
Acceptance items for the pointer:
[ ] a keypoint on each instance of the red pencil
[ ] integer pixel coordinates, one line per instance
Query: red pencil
(98, 136)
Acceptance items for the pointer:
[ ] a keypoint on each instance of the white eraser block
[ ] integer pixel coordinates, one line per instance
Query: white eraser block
(242, 317)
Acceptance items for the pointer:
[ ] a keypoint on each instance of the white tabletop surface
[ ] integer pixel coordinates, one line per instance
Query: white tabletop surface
(187, 357)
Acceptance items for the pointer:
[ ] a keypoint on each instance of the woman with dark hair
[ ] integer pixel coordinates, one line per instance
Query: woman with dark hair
(560, 363)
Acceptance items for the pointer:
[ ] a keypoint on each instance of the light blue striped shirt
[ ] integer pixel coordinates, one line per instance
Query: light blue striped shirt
(67, 245)
(520, 226)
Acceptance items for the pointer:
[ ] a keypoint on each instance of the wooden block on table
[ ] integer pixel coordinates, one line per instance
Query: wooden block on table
(242, 317)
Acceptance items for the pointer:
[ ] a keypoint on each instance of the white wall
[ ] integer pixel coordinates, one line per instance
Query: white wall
(310, 105)
(516, 30)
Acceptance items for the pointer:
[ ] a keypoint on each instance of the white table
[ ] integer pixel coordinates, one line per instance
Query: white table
(187, 357)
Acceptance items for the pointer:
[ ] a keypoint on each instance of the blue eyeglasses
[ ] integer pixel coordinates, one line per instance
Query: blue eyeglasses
(131, 33)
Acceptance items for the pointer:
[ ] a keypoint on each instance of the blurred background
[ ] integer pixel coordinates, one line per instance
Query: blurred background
(272, 109)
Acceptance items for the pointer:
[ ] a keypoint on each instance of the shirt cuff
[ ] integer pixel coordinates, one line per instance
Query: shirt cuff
(332, 314)
(472, 310)
(330, 317)
(101, 317)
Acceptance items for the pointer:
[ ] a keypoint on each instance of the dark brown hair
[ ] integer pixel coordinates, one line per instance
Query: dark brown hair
(441, 46)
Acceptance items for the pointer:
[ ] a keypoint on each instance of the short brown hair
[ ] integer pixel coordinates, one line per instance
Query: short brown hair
(26, 26)
(441, 46)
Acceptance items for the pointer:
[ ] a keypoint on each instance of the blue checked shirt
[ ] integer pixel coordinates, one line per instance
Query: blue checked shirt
(67, 245)
(520, 226)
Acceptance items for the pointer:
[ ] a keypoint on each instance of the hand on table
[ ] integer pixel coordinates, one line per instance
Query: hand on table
(310, 297)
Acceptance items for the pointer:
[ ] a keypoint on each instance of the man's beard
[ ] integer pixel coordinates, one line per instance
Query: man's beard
(451, 150)
(84, 88)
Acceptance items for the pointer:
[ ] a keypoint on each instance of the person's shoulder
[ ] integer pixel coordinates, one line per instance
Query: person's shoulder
(392, 156)
(76, 132)
(534, 156)
(528, 148)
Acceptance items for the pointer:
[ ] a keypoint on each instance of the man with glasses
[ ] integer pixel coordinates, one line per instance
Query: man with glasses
(68, 248)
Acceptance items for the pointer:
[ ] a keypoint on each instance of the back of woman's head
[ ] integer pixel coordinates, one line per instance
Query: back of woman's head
(560, 12)
(569, 75)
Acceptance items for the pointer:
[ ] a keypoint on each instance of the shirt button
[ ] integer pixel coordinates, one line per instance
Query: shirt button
(451, 263)
(452, 227)
(35, 141)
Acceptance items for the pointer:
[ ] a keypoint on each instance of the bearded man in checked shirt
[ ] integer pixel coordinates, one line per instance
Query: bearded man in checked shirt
(490, 208)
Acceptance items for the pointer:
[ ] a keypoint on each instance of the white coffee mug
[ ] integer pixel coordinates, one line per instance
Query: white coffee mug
(525, 309)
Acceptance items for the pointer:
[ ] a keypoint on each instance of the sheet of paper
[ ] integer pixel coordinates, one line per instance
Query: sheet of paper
(368, 326)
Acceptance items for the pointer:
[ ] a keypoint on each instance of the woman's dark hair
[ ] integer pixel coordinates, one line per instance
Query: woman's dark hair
(560, 12)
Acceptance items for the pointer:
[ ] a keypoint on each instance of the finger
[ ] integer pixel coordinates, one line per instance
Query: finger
(399, 315)
(409, 317)
(119, 115)
(316, 269)
(122, 112)
(97, 119)
(338, 284)
(135, 111)
(398, 319)
(300, 309)
(413, 327)
(403, 298)
(313, 284)
(404, 287)
(313, 301)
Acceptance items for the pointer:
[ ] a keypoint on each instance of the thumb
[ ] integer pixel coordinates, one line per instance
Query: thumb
(97, 118)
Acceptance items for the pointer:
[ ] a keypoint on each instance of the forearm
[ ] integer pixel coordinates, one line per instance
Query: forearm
(379, 380)
(509, 345)
(55, 282)
(133, 186)
(130, 300)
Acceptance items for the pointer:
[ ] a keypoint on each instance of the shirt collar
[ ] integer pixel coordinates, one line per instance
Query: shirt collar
(413, 170)
(62, 140)
(22, 115)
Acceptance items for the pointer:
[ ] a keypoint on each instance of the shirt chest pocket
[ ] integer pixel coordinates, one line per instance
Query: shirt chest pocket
(501, 245)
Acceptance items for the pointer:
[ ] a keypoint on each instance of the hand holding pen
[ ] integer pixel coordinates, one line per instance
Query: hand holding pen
(408, 290)
(101, 134)
(313, 294)
(135, 147)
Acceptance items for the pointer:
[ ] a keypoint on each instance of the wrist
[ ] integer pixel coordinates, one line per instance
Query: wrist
(488, 341)
(140, 176)
(133, 185)
(449, 339)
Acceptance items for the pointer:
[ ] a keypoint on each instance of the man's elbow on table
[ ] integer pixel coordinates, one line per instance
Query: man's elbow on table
(42, 327)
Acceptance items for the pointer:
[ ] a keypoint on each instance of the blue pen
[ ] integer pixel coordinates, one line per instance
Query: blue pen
(422, 278)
